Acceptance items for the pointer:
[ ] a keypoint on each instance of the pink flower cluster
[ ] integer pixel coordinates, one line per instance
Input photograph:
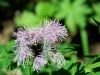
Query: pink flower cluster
(22, 50)
(47, 34)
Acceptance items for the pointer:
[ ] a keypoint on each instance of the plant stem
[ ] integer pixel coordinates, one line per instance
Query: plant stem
(50, 72)
(84, 39)
(30, 69)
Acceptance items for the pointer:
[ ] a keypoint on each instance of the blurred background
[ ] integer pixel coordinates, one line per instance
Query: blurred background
(80, 17)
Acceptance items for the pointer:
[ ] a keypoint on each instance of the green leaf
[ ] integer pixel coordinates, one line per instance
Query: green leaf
(5, 56)
(96, 8)
(97, 73)
(53, 67)
(2, 73)
(5, 62)
(27, 18)
(1, 66)
(70, 22)
(45, 9)
(73, 70)
(26, 70)
(74, 57)
(96, 22)
(66, 47)
(67, 65)
(45, 69)
(90, 67)
(10, 45)
(74, 13)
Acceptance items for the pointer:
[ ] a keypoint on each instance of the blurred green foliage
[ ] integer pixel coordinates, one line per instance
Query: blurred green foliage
(4, 3)
(26, 18)
(97, 12)
(6, 55)
(45, 9)
(74, 13)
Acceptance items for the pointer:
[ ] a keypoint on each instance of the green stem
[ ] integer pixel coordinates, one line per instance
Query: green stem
(84, 39)
(30, 69)
(50, 72)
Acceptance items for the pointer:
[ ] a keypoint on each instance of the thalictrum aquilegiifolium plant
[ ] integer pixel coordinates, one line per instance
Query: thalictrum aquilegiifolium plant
(28, 41)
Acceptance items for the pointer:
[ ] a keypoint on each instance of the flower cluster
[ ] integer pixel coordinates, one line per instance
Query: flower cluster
(22, 50)
(28, 41)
